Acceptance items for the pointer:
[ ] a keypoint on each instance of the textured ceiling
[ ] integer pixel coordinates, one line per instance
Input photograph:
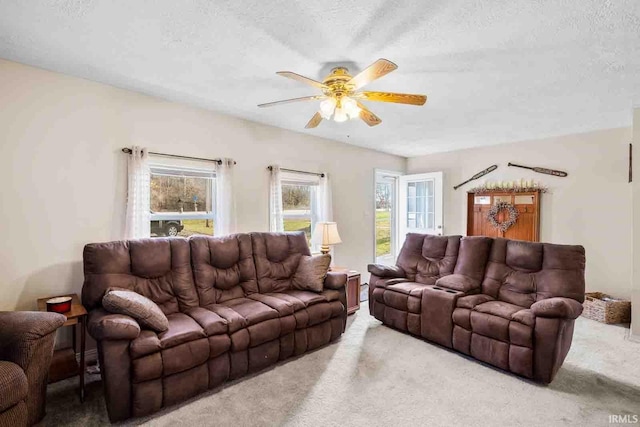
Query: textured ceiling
(494, 71)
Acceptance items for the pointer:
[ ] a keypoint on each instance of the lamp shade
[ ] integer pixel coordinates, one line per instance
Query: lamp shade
(326, 233)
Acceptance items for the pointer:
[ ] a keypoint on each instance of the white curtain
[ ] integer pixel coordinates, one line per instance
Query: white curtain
(324, 203)
(225, 211)
(321, 206)
(138, 195)
(275, 200)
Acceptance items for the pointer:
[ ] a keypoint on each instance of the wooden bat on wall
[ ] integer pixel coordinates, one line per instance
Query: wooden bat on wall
(541, 170)
(478, 175)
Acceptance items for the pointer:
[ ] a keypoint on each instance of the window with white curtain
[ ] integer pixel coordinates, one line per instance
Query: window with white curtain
(183, 200)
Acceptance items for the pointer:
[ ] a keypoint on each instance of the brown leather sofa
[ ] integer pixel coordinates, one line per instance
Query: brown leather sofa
(231, 307)
(26, 348)
(508, 303)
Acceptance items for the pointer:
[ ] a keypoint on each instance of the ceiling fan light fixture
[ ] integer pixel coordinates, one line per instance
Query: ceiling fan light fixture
(327, 107)
(340, 115)
(350, 106)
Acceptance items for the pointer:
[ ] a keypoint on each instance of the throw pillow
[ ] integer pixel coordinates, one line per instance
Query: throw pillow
(145, 311)
(311, 272)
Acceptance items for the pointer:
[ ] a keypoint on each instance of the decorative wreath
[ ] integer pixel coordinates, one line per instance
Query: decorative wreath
(493, 214)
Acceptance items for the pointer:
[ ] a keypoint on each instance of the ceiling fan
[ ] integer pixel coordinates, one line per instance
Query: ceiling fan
(341, 98)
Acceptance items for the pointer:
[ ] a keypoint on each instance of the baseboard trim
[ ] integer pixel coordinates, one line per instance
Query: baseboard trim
(634, 338)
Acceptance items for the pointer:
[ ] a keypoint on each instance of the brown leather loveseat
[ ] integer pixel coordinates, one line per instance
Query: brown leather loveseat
(508, 303)
(231, 308)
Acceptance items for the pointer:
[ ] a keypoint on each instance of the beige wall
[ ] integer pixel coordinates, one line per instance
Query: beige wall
(635, 300)
(63, 175)
(591, 207)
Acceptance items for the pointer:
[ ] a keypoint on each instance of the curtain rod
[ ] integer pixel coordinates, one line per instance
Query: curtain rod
(175, 156)
(321, 174)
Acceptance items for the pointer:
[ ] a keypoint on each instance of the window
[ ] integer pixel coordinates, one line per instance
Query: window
(420, 204)
(297, 198)
(182, 201)
(385, 219)
(298, 201)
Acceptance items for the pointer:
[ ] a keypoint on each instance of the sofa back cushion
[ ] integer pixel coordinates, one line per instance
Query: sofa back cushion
(473, 256)
(276, 256)
(522, 273)
(159, 269)
(223, 267)
(425, 258)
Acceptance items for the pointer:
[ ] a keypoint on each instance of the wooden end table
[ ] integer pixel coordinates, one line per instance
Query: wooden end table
(63, 363)
(353, 288)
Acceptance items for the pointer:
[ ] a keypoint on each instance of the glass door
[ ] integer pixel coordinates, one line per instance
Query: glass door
(420, 204)
(386, 209)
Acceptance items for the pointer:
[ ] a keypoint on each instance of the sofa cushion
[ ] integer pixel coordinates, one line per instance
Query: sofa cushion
(158, 268)
(276, 257)
(142, 309)
(408, 288)
(404, 296)
(211, 323)
(470, 301)
(424, 257)
(383, 283)
(306, 297)
(489, 325)
(472, 257)
(522, 273)
(242, 312)
(308, 308)
(13, 385)
(282, 306)
(311, 272)
(331, 295)
(182, 328)
(458, 282)
(223, 267)
(498, 308)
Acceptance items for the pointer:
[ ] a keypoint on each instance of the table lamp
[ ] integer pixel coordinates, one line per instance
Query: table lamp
(326, 233)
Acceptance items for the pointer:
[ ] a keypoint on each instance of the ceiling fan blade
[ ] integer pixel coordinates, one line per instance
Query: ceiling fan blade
(314, 122)
(368, 117)
(380, 68)
(302, 79)
(287, 101)
(399, 98)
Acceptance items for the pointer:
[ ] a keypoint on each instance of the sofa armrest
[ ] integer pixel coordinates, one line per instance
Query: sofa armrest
(458, 282)
(109, 326)
(557, 307)
(335, 280)
(21, 326)
(21, 333)
(386, 271)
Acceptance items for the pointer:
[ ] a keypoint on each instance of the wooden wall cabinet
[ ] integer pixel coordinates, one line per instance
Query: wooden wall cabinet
(527, 227)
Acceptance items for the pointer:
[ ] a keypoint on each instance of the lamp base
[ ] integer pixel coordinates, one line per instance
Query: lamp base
(325, 249)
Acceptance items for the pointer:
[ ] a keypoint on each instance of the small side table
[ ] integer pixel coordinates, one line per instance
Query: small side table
(353, 288)
(64, 364)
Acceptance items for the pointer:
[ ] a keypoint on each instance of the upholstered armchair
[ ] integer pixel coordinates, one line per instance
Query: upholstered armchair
(26, 348)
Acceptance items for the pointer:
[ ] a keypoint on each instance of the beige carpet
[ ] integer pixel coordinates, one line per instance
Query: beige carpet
(376, 376)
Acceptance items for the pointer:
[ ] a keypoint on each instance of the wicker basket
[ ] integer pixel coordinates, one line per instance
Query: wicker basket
(606, 311)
